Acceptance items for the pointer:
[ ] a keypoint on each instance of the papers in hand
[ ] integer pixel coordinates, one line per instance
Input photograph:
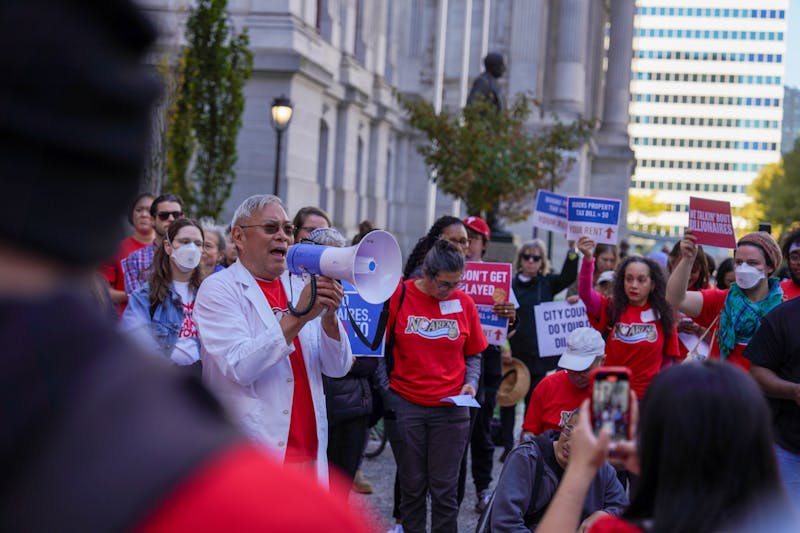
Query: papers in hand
(462, 400)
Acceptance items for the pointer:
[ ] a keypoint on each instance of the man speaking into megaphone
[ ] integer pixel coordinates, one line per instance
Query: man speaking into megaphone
(264, 363)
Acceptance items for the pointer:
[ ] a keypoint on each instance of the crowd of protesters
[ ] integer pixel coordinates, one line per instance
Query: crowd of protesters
(190, 394)
(292, 384)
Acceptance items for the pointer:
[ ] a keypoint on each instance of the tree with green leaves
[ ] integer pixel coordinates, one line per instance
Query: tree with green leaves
(487, 158)
(775, 193)
(206, 116)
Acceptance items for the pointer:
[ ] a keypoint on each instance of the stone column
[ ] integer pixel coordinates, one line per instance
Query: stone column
(570, 70)
(527, 49)
(613, 163)
(618, 75)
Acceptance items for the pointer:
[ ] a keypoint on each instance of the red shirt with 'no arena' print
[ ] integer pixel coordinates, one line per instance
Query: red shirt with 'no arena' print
(432, 338)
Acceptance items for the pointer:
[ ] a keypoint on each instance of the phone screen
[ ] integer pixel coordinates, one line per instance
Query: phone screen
(611, 404)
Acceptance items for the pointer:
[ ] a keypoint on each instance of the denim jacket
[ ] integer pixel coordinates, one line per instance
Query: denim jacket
(165, 323)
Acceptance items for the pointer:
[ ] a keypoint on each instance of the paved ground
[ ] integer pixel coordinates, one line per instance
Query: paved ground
(380, 472)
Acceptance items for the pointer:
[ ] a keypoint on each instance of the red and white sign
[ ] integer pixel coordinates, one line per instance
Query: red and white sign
(487, 284)
(710, 221)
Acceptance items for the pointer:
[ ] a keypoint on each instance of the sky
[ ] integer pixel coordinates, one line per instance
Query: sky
(793, 45)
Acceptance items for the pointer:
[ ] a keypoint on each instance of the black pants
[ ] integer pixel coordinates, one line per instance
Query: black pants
(346, 441)
(481, 445)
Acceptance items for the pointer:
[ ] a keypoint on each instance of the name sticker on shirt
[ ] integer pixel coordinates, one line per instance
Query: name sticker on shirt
(648, 316)
(448, 307)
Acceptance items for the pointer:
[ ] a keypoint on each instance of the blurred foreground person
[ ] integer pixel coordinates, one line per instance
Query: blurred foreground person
(102, 437)
(704, 454)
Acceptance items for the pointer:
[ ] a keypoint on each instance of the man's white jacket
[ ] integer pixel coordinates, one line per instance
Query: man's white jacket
(246, 358)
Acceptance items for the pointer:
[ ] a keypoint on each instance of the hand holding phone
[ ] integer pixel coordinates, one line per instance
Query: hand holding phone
(611, 401)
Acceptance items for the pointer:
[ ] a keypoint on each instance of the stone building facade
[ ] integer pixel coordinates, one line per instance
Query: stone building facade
(341, 62)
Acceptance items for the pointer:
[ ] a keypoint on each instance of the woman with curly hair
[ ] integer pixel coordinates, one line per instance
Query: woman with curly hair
(446, 227)
(164, 305)
(637, 321)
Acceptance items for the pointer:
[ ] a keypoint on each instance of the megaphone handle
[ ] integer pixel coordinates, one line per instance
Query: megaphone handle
(311, 302)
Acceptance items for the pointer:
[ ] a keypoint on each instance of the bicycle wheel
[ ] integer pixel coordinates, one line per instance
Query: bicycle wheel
(376, 440)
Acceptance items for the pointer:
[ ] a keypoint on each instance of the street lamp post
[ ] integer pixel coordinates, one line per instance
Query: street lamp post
(281, 115)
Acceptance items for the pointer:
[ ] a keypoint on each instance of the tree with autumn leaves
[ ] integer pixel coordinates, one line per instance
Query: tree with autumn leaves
(776, 194)
(489, 159)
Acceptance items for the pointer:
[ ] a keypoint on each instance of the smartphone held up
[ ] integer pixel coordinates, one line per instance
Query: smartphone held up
(611, 401)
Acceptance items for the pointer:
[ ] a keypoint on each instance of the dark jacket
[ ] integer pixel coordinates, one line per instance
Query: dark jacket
(350, 396)
(515, 508)
(524, 344)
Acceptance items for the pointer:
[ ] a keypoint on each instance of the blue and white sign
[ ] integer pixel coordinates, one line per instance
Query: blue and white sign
(597, 218)
(550, 212)
(366, 316)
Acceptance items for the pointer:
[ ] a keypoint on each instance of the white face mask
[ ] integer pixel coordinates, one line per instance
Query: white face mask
(747, 276)
(187, 257)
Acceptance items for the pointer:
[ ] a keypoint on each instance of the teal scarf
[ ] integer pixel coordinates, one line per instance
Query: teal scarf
(740, 317)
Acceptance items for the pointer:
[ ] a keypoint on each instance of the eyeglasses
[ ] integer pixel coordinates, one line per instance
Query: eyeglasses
(528, 257)
(271, 227)
(164, 215)
(459, 242)
(210, 246)
(446, 285)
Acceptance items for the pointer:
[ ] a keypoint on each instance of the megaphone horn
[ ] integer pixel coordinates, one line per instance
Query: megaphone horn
(373, 266)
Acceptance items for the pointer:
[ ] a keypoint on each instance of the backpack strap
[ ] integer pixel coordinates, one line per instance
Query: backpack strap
(388, 355)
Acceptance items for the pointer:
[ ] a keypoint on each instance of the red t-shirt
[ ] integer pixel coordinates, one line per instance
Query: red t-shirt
(713, 303)
(637, 341)
(551, 401)
(613, 524)
(242, 489)
(432, 338)
(301, 446)
(790, 289)
(112, 270)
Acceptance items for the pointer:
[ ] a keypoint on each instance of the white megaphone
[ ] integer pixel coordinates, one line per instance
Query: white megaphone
(373, 266)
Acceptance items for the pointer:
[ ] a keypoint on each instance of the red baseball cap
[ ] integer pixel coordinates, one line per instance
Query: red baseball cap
(479, 225)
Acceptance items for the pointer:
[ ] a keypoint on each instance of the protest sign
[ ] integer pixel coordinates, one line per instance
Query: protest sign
(366, 316)
(550, 212)
(596, 218)
(554, 322)
(487, 284)
(710, 221)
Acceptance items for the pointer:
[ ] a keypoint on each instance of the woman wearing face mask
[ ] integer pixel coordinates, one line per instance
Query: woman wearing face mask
(165, 303)
(737, 311)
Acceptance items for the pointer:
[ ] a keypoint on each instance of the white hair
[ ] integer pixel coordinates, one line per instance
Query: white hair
(209, 226)
(251, 205)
